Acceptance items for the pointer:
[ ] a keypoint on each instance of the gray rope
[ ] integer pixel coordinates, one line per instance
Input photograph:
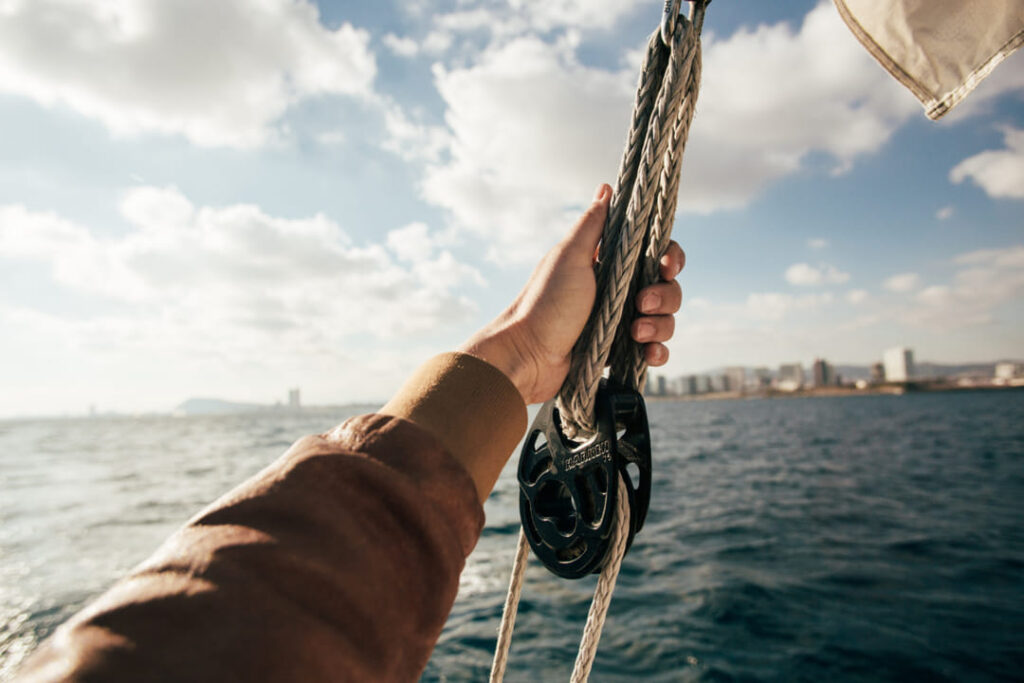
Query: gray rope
(639, 220)
(598, 606)
(639, 223)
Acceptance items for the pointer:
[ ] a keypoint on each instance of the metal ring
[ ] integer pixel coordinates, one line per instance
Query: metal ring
(668, 20)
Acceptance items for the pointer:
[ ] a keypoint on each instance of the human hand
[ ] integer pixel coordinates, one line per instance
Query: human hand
(531, 340)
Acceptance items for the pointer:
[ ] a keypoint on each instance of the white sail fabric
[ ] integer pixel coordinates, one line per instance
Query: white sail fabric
(940, 49)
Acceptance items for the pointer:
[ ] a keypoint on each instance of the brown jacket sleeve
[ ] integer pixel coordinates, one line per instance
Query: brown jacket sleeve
(339, 562)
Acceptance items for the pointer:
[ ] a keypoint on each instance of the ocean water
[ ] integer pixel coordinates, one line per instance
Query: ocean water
(875, 538)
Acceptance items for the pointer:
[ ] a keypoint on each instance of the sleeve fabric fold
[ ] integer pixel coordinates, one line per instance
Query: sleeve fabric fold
(338, 562)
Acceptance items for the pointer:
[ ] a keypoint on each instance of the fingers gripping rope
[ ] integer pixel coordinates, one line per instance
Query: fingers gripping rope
(636, 235)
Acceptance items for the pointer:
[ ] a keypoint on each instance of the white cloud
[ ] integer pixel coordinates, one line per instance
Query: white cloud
(401, 45)
(516, 174)
(804, 274)
(331, 137)
(857, 296)
(412, 242)
(817, 243)
(515, 18)
(237, 278)
(219, 73)
(413, 140)
(437, 42)
(1000, 173)
(987, 280)
(772, 97)
(904, 282)
(588, 14)
(945, 213)
(775, 306)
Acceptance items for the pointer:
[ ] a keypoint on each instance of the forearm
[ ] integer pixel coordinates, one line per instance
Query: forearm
(338, 562)
(471, 406)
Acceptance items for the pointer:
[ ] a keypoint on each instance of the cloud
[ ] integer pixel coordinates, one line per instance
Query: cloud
(412, 242)
(1000, 173)
(515, 18)
(234, 277)
(401, 46)
(804, 274)
(520, 189)
(817, 243)
(987, 280)
(773, 97)
(219, 73)
(945, 213)
(904, 282)
(411, 139)
(857, 296)
(775, 306)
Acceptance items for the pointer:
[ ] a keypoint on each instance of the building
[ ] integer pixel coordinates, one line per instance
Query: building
(736, 379)
(1007, 371)
(823, 373)
(720, 384)
(877, 373)
(294, 403)
(656, 385)
(703, 384)
(791, 377)
(688, 385)
(762, 377)
(899, 364)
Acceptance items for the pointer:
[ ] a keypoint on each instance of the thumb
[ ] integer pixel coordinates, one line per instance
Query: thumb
(584, 237)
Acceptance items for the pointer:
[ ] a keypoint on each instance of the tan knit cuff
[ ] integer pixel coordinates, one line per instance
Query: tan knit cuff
(472, 408)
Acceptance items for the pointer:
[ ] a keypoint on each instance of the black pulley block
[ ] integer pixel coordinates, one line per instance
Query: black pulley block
(568, 489)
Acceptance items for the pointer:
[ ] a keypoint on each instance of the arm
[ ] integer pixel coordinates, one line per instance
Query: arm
(341, 560)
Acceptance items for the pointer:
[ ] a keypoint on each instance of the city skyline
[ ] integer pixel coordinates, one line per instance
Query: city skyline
(329, 193)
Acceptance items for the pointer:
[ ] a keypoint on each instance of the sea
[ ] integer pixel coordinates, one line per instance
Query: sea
(862, 538)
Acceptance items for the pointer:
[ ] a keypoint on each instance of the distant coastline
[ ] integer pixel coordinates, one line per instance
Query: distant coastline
(888, 389)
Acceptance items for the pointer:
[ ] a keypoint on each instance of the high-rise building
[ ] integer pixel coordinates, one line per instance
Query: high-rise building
(791, 377)
(877, 373)
(737, 378)
(688, 385)
(293, 399)
(824, 374)
(763, 377)
(899, 364)
(703, 384)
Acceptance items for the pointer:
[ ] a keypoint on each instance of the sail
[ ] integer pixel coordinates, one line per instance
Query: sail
(940, 49)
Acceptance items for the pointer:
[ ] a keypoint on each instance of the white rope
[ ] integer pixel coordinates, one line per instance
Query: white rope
(598, 606)
(603, 593)
(508, 613)
(639, 223)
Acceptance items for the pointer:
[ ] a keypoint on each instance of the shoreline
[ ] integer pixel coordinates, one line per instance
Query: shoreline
(894, 389)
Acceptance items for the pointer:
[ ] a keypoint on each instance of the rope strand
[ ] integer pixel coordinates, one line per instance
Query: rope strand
(636, 234)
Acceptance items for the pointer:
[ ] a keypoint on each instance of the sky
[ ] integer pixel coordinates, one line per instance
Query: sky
(229, 198)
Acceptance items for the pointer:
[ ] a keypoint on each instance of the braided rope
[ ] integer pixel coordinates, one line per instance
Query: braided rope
(637, 233)
(647, 185)
(603, 592)
(511, 608)
(598, 606)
